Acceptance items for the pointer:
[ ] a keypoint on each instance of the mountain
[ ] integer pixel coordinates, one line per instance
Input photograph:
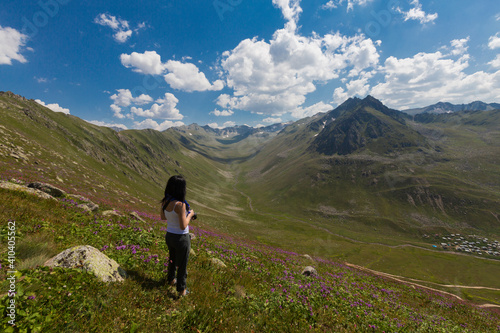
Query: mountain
(365, 124)
(442, 107)
(363, 183)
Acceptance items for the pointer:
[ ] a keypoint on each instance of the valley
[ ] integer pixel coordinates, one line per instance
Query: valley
(362, 184)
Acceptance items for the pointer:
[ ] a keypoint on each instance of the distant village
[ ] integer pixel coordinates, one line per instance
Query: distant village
(470, 244)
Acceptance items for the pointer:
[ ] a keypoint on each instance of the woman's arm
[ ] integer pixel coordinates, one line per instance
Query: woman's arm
(181, 212)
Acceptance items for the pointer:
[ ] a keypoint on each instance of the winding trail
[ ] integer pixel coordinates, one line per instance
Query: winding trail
(405, 281)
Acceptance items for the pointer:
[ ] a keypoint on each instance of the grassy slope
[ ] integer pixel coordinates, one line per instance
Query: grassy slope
(261, 289)
(350, 223)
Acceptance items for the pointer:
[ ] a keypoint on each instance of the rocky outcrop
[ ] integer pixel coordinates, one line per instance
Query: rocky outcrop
(90, 259)
(22, 188)
(47, 188)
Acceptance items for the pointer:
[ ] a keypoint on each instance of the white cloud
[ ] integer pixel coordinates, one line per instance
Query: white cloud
(427, 78)
(214, 125)
(11, 43)
(271, 120)
(104, 124)
(228, 124)
(54, 107)
(275, 77)
(41, 79)
(167, 109)
(120, 27)
(117, 111)
(350, 4)
(150, 123)
(187, 77)
(148, 62)
(223, 113)
(417, 13)
(356, 87)
(291, 11)
(460, 46)
(311, 110)
(494, 42)
(124, 98)
(495, 63)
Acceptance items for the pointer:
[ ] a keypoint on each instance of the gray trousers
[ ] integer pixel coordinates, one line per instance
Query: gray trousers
(178, 252)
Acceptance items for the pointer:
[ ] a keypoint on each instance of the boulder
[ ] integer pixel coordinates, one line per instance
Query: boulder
(217, 263)
(90, 259)
(17, 187)
(307, 257)
(309, 271)
(47, 188)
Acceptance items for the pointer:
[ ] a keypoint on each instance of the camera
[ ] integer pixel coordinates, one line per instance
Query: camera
(195, 216)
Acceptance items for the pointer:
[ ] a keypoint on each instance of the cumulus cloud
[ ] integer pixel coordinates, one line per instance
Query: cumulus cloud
(187, 77)
(355, 87)
(223, 113)
(291, 11)
(124, 98)
(427, 78)
(274, 77)
(495, 63)
(148, 62)
(121, 28)
(150, 123)
(417, 13)
(11, 44)
(494, 42)
(54, 107)
(459, 46)
(166, 109)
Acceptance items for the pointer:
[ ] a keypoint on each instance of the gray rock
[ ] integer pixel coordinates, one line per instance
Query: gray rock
(47, 188)
(136, 216)
(90, 259)
(89, 204)
(16, 187)
(308, 257)
(309, 271)
(110, 213)
(217, 263)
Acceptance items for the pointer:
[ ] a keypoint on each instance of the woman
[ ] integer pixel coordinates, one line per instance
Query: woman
(175, 210)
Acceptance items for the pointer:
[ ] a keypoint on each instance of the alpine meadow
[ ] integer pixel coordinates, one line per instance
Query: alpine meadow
(363, 218)
(250, 166)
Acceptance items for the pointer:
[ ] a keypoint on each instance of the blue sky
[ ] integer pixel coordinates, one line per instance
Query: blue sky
(158, 64)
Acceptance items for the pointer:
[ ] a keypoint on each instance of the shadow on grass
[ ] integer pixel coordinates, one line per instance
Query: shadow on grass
(149, 284)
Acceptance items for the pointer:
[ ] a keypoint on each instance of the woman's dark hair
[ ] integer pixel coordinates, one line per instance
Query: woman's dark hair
(175, 190)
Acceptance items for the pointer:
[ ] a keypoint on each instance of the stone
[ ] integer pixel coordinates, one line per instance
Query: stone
(192, 236)
(89, 258)
(136, 216)
(17, 187)
(110, 213)
(47, 188)
(309, 271)
(307, 257)
(89, 204)
(217, 263)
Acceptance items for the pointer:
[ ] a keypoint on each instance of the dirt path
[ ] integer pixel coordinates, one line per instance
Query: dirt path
(405, 280)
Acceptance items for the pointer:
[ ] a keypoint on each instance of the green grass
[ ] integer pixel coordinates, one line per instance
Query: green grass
(261, 289)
